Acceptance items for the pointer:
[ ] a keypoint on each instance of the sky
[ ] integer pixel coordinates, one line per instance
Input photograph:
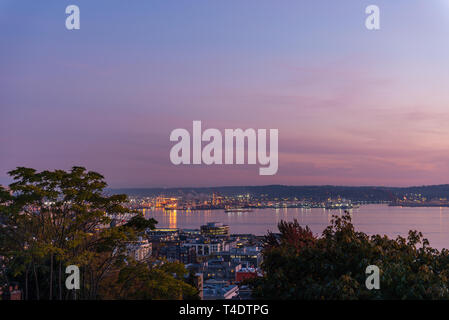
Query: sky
(352, 106)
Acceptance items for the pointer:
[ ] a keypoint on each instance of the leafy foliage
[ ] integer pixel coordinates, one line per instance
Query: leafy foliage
(52, 219)
(139, 281)
(298, 265)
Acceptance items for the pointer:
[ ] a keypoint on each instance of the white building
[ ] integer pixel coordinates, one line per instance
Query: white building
(140, 250)
(207, 248)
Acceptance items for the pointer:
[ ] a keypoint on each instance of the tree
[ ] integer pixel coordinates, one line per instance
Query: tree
(298, 265)
(156, 281)
(52, 219)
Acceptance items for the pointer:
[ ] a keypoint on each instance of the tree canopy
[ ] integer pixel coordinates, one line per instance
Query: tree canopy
(299, 265)
(52, 219)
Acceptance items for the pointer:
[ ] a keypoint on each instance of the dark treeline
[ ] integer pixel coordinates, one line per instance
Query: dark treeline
(316, 193)
(299, 265)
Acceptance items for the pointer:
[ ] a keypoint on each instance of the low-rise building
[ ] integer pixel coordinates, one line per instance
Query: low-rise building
(246, 273)
(163, 234)
(205, 247)
(10, 293)
(219, 290)
(250, 256)
(219, 270)
(140, 250)
(215, 229)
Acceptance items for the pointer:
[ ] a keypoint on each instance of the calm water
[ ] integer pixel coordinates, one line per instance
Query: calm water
(371, 219)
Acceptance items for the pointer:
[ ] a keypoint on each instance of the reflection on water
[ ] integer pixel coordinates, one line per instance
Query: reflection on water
(172, 219)
(372, 219)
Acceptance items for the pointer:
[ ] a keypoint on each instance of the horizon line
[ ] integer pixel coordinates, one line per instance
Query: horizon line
(283, 185)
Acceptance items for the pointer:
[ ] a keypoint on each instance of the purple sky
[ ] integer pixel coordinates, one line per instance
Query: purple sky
(353, 107)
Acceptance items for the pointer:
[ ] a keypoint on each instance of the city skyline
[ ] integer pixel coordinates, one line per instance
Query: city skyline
(353, 107)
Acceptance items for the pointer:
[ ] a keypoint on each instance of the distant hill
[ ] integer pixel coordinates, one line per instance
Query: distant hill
(310, 192)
